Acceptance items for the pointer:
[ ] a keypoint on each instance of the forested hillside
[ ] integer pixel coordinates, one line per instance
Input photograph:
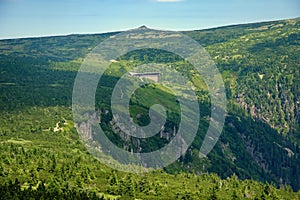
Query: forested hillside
(42, 155)
(261, 65)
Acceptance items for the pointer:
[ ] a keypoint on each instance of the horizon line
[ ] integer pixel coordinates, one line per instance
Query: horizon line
(118, 31)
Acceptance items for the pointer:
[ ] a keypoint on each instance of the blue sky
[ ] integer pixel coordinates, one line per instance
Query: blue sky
(27, 18)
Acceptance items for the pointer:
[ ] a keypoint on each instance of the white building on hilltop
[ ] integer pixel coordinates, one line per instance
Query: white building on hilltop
(150, 75)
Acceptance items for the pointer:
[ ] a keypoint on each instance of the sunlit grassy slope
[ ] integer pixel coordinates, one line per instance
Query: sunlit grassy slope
(260, 141)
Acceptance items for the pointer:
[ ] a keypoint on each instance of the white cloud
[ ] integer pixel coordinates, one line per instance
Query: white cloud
(168, 0)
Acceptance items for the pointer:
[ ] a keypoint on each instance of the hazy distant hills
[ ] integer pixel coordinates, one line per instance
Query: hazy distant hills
(259, 64)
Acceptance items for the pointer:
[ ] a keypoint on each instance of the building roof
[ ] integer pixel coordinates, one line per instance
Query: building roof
(144, 74)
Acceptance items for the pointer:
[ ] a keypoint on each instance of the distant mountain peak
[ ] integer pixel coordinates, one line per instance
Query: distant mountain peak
(143, 27)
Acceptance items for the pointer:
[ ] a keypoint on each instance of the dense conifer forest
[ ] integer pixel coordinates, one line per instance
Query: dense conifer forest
(256, 157)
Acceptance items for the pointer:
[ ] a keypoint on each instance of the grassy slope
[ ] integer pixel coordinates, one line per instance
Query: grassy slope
(35, 95)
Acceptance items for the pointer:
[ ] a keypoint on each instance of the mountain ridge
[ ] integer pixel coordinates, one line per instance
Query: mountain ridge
(37, 77)
(115, 32)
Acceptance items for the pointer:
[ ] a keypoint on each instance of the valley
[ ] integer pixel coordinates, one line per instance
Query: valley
(257, 155)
